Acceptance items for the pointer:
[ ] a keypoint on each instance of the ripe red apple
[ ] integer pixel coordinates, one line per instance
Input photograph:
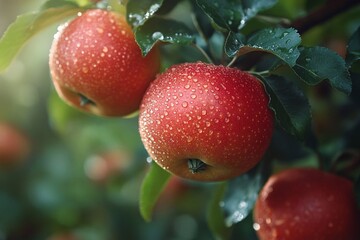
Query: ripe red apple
(100, 167)
(97, 66)
(299, 204)
(205, 122)
(14, 145)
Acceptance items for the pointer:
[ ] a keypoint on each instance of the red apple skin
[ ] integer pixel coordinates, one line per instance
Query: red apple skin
(14, 145)
(216, 114)
(96, 56)
(299, 204)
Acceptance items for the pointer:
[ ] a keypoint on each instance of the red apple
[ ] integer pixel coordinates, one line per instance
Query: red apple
(100, 167)
(14, 145)
(205, 122)
(97, 66)
(299, 204)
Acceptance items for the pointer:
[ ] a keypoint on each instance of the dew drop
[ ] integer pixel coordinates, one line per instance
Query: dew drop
(149, 159)
(105, 49)
(193, 96)
(157, 36)
(184, 104)
(203, 112)
(187, 86)
(256, 226)
(85, 69)
(189, 139)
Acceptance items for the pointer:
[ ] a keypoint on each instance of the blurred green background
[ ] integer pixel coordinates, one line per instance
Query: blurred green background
(82, 177)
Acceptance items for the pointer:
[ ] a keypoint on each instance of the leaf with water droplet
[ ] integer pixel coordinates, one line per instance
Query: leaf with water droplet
(240, 196)
(139, 11)
(281, 42)
(353, 49)
(27, 25)
(312, 68)
(291, 107)
(151, 188)
(233, 15)
(164, 30)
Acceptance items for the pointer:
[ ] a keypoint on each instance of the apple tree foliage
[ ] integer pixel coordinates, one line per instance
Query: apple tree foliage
(268, 38)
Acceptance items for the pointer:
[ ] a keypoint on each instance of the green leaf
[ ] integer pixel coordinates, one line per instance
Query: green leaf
(233, 15)
(151, 188)
(215, 214)
(59, 3)
(164, 30)
(139, 11)
(281, 42)
(291, 107)
(312, 68)
(353, 49)
(26, 26)
(240, 196)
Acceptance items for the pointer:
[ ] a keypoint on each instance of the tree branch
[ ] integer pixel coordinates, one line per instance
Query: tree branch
(320, 15)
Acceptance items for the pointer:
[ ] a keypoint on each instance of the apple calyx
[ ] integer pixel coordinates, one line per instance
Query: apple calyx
(85, 101)
(195, 165)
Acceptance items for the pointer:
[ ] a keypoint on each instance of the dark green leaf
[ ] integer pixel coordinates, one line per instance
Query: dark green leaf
(139, 11)
(233, 15)
(26, 26)
(291, 107)
(353, 49)
(151, 188)
(215, 214)
(281, 42)
(240, 196)
(164, 30)
(316, 64)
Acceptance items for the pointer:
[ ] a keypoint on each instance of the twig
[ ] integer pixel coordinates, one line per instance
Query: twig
(322, 14)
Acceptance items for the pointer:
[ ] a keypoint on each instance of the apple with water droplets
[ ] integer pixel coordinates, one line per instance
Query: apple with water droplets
(206, 122)
(305, 203)
(97, 66)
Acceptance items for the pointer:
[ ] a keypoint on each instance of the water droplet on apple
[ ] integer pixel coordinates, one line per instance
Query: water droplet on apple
(256, 226)
(184, 104)
(85, 70)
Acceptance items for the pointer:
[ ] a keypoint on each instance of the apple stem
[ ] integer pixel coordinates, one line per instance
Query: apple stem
(84, 100)
(196, 165)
